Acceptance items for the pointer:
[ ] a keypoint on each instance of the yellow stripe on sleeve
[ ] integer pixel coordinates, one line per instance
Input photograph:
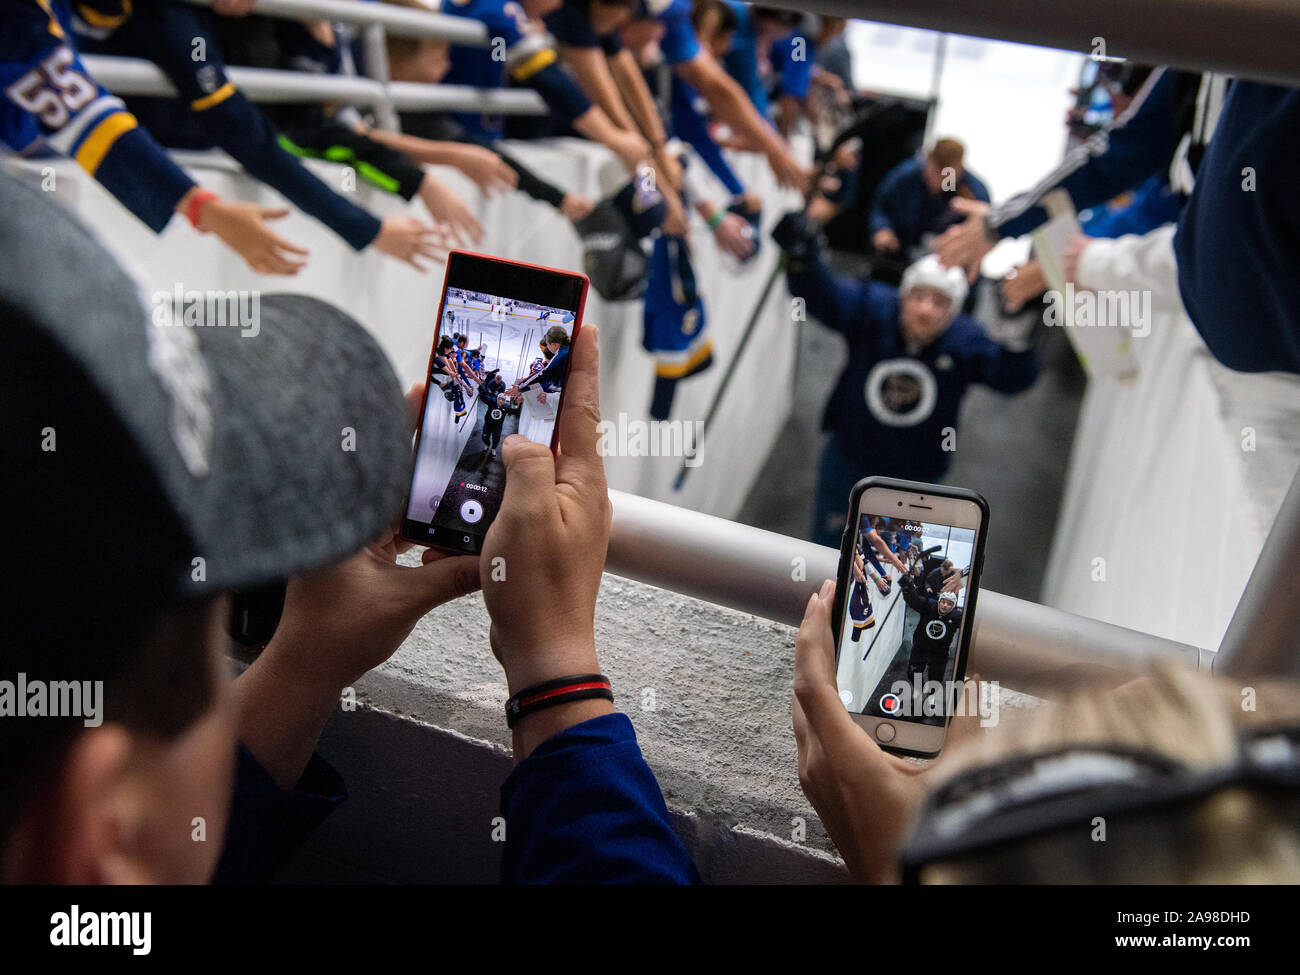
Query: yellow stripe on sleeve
(101, 139)
(533, 64)
(105, 21)
(216, 98)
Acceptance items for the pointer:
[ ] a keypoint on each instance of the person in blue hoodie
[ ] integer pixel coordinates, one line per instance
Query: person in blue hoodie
(912, 356)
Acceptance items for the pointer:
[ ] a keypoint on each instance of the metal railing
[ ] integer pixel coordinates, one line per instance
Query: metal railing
(1024, 645)
(1251, 38)
(400, 21)
(134, 76)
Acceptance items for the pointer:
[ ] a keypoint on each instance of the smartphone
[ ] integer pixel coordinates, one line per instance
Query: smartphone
(904, 610)
(498, 366)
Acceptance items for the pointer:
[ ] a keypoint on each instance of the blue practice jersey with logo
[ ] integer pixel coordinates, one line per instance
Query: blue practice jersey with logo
(52, 104)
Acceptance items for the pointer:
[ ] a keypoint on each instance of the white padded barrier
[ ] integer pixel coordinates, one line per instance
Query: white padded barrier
(398, 304)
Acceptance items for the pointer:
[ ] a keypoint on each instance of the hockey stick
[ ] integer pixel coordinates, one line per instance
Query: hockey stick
(778, 270)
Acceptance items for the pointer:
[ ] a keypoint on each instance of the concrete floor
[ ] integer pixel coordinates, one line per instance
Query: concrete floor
(1013, 450)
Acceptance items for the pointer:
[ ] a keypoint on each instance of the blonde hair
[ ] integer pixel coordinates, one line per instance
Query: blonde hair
(1232, 837)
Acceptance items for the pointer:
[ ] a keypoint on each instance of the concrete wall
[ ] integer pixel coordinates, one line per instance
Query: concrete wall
(707, 688)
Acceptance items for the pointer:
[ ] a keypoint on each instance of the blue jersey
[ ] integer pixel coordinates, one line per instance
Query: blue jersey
(741, 61)
(892, 404)
(571, 26)
(791, 58)
(679, 43)
(52, 104)
(520, 50)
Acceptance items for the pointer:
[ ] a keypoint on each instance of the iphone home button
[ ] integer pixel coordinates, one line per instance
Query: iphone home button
(885, 732)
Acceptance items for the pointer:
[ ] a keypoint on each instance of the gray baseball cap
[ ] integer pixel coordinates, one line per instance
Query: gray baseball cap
(184, 459)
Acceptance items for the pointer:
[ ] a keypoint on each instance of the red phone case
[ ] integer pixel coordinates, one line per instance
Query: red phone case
(505, 266)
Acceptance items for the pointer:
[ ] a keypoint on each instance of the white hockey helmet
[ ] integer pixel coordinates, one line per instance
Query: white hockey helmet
(950, 281)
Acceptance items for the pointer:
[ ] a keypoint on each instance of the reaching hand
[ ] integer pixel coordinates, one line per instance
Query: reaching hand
(1023, 284)
(409, 239)
(575, 207)
(885, 240)
(490, 172)
(242, 227)
(864, 796)
(631, 147)
(965, 244)
(449, 209)
(733, 236)
(787, 171)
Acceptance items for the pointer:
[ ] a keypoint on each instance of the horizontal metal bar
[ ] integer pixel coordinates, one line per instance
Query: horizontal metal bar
(409, 96)
(135, 76)
(1026, 646)
(1252, 38)
(401, 21)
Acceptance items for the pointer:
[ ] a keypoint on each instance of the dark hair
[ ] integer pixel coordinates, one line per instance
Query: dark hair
(557, 335)
(86, 599)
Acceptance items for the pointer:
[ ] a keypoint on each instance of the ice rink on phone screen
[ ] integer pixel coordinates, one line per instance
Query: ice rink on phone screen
(459, 476)
(870, 666)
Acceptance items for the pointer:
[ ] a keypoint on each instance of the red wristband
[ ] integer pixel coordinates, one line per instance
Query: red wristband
(562, 690)
(196, 205)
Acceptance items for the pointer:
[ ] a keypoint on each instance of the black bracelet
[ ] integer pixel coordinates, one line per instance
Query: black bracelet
(562, 690)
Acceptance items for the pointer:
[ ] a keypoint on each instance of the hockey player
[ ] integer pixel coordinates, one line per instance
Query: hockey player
(932, 638)
(861, 611)
(550, 379)
(912, 356)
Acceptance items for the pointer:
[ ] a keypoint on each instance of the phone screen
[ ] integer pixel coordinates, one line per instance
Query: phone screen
(902, 630)
(498, 367)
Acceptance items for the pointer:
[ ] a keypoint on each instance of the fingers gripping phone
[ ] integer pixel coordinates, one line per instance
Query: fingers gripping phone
(498, 366)
(904, 610)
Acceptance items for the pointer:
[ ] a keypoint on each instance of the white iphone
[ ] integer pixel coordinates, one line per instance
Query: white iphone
(904, 609)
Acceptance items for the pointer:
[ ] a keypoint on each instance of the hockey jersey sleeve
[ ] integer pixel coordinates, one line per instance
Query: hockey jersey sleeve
(531, 60)
(52, 102)
(1123, 156)
(848, 306)
(998, 367)
(693, 129)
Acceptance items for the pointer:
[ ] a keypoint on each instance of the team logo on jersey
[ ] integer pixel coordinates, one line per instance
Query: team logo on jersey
(935, 629)
(691, 321)
(900, 392)
(496, 414)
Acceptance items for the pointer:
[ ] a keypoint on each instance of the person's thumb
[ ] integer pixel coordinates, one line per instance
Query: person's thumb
(530, 476)
(440, 578)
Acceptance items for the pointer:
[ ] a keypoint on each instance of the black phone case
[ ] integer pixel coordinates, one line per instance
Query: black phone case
(846, 567)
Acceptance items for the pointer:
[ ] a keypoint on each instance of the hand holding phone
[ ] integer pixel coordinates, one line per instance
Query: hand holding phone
(503, 329)
(901, 650)
(544, 556)
(864, 796)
